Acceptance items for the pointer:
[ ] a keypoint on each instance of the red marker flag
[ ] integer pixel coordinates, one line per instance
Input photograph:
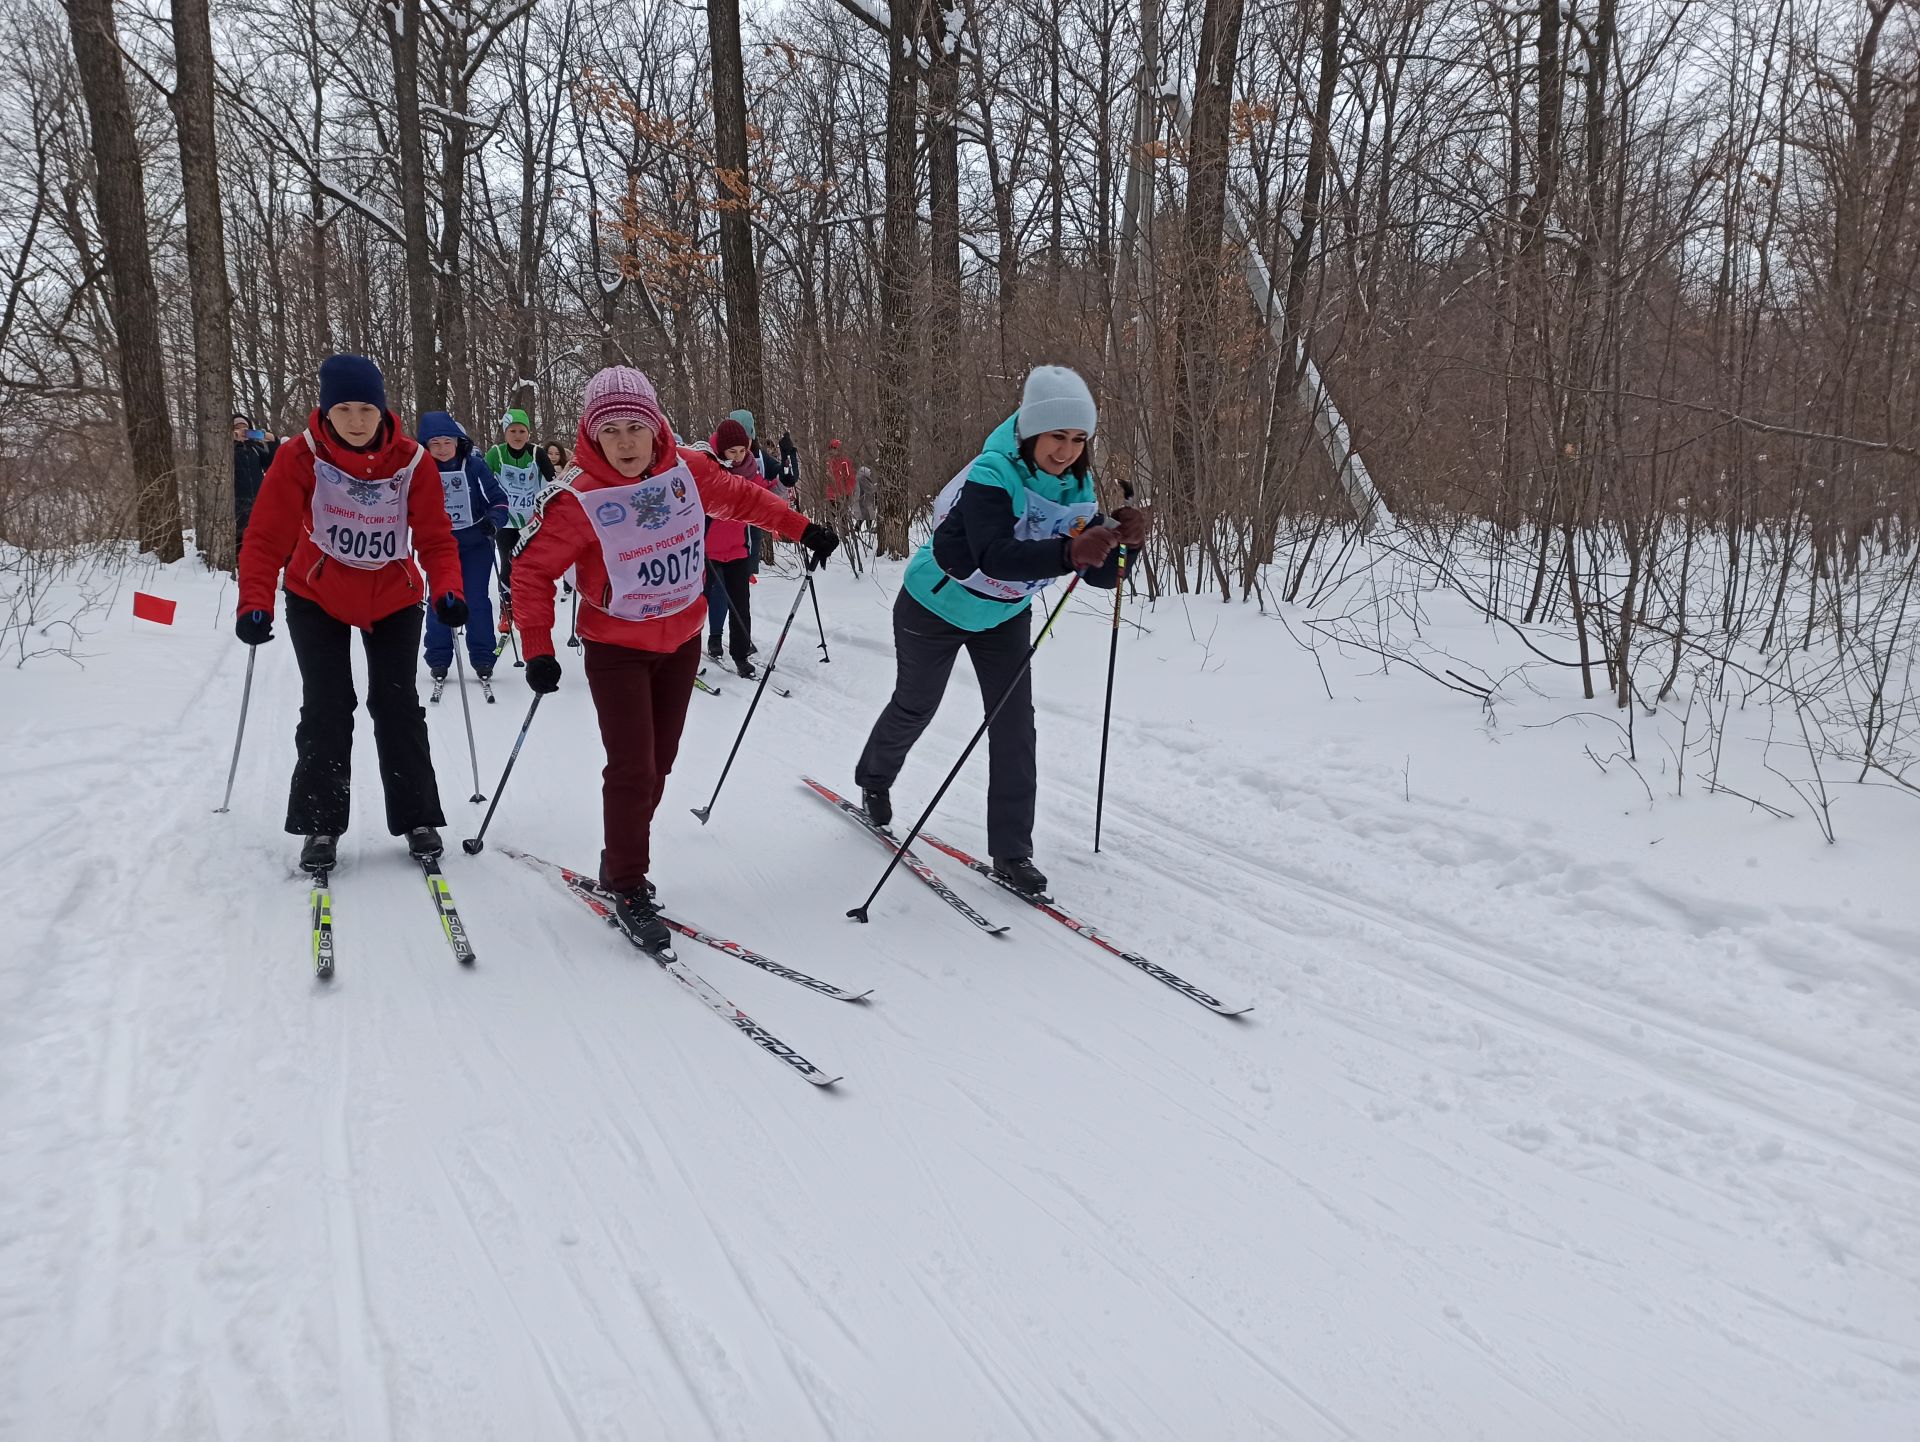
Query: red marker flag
(153, 608)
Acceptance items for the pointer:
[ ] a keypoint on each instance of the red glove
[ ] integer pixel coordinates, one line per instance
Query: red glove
(1092, 546)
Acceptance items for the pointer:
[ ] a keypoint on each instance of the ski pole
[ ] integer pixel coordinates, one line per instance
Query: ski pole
(466, 710)
(859, 913)
(821, 625)
(473, 844)
(573, 627)
(766, 675)
(246, 695)
(1106, 716)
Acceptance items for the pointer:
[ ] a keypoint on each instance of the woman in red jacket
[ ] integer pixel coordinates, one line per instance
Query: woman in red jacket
(730, 558)
(340, 512)
(631, 521)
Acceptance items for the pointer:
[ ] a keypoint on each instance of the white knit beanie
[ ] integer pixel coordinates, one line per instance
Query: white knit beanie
(1055, 399)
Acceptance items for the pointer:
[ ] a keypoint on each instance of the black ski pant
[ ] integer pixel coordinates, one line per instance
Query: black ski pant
(505, 539)
(733, 577)
(323, 741)
(924, 648)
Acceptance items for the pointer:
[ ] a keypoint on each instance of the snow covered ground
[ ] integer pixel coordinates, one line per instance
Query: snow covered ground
(1563, 1113)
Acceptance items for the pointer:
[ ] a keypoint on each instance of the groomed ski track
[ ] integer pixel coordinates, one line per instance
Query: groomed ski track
(1521, 1141)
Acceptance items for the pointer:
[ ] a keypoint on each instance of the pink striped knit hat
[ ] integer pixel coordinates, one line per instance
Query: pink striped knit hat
(621, 393)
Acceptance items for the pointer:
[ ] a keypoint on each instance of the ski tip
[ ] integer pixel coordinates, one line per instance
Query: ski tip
(467, 959)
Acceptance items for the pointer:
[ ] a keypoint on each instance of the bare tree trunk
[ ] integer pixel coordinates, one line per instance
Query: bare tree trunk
(1197, 328)
(120, 189)
(1132, 359)
(316, 197)
(1293, 349)
(944, 317)
(734, 197)
(455, 363)
(207, 279)
(898, 246)
(403, 34)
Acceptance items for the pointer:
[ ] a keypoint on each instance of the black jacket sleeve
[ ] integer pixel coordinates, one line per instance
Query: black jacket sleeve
(544, 465)
(977, 535)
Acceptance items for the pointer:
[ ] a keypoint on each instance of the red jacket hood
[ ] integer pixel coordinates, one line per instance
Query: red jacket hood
(386, 457)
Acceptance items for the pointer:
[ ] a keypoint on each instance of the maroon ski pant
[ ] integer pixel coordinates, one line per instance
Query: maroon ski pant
(641, 699)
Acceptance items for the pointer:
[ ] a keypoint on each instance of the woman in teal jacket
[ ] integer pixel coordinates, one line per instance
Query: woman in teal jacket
(1021, 515)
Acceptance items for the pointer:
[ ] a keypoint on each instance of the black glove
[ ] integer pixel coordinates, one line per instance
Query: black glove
(451, 610)
(820, 542)
(543, 675)
(254, 627)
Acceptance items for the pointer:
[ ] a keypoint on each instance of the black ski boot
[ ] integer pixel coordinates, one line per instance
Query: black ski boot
(714, 653)
(633, 913)
(423, 843)
(1021, 874)
(319, 853)
(746, 669)
(878, 804)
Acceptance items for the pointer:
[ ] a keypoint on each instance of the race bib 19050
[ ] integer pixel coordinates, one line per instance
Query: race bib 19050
(360, 523)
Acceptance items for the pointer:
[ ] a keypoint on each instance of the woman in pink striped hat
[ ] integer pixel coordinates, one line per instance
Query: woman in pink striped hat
(631, 520)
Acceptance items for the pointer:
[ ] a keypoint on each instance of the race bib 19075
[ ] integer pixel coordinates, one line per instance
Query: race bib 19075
(653, 540)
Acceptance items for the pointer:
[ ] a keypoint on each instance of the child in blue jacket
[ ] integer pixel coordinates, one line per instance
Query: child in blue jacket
(477, 507)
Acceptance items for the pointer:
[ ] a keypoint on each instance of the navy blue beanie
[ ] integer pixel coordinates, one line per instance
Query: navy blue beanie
(346, 378)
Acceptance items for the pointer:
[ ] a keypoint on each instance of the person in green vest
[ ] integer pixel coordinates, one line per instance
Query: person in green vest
(523, 472)
(1017, 518)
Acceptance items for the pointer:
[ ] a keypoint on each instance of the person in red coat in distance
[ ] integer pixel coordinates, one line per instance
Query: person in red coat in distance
(632, 524)
(342, 511)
